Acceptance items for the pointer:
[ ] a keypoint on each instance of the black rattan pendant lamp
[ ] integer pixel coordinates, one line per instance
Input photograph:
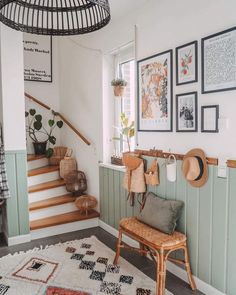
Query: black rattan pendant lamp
(55, 17)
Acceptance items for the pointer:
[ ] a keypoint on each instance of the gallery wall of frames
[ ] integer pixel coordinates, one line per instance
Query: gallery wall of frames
(155, 84)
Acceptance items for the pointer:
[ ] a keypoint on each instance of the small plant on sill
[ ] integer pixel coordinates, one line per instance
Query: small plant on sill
(119, 86)
(35, 127)
(127, 130)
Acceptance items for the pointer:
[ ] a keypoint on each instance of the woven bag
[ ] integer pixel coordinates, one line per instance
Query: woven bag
(152, 174)
(67, 165)
(59, 153)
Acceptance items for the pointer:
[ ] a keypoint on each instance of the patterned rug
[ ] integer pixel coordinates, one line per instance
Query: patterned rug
(81, 267)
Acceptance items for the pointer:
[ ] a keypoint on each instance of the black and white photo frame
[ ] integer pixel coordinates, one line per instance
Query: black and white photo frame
(210, 119)
(187, 63)
(187, 112)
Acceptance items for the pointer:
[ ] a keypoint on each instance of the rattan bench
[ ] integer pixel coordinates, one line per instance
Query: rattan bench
(158, 245)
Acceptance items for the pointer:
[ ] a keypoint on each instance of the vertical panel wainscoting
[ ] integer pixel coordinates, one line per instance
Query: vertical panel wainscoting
(16, 213)
(208, 219)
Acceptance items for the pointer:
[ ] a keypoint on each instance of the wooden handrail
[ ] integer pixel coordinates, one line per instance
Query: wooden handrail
(59, 115)
(164, 155)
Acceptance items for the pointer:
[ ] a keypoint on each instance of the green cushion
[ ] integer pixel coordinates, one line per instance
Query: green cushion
(160, 213)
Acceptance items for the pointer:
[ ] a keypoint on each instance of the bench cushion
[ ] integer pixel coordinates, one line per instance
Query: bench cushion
(151, 235)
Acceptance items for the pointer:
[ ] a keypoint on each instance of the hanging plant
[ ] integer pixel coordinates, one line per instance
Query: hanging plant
(119, 86)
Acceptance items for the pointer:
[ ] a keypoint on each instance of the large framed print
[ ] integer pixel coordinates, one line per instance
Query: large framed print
(187, 112)
(155, 83)
(37, 58)
(187, 63)
(219, 61)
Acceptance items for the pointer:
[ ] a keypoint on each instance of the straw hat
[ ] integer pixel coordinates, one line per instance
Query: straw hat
(195, 168)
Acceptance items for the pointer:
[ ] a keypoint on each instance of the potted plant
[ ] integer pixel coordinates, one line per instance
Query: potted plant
(127, 131)
(119, 86)
(35, 127)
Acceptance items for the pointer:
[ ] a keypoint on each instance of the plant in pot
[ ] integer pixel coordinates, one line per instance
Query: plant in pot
(35, 128)
(119, 86)
(127, 132)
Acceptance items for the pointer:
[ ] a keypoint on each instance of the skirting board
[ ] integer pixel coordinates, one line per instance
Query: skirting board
(11, 241)
(177, 271)
(64, 228)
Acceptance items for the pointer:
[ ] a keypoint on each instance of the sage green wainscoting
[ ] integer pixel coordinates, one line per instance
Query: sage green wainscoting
(208, 219)
(16, 213)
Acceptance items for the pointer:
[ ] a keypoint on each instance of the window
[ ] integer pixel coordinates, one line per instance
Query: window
(126, 104)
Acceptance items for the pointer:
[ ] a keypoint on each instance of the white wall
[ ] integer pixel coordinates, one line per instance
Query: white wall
(81, 102)
(163, 25)
(12, 89)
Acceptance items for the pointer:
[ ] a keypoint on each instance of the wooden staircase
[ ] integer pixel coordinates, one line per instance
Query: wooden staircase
(51, 207)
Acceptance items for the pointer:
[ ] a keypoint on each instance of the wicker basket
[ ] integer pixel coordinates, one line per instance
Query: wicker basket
(67, 165)
(59, 153)
(86, 203)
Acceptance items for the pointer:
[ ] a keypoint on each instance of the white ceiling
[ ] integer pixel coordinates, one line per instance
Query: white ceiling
(122, 7)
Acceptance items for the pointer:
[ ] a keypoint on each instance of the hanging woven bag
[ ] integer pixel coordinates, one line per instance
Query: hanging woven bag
(68, 164)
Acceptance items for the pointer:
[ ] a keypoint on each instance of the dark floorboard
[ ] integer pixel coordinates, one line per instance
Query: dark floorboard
(173, 284)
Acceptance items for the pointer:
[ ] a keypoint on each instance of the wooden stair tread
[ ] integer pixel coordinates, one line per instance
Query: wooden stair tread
(46, 185)
(43, 170)
(62, 219)
(34, 157)
(55, 201)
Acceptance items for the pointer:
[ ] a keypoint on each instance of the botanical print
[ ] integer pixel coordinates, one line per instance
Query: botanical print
(186, 63)
(155, 93)
(186, 112)
(219, 61)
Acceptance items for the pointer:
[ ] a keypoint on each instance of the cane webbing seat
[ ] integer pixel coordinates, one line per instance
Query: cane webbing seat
(151, 235)
(158, 245)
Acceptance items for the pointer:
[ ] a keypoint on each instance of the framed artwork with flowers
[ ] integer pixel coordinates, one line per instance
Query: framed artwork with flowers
(155, 90)
(187, 63)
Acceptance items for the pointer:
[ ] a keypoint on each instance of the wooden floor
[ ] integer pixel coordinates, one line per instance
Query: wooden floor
(173, 284)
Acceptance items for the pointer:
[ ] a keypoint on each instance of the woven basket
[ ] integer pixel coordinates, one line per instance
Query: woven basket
(59, 153)
(86, 203)
(67, 165)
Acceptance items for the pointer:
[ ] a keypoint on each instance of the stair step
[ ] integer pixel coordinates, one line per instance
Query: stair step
(35, 157)
(51, 202)
(46, 185)
(42, 170)
(62, 219)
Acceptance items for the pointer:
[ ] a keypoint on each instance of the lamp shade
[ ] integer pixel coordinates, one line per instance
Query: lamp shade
(55, 17)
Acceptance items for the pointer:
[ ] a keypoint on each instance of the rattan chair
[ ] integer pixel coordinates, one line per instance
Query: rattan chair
(158, 245)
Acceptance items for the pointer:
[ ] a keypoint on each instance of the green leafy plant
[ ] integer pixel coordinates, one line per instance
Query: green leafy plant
(35, 127)
(127, 130)
(118, 82)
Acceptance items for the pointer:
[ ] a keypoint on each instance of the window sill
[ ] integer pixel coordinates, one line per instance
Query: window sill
(112, 166)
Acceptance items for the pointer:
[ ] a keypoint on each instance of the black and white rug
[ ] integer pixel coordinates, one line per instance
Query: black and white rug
(81, 267)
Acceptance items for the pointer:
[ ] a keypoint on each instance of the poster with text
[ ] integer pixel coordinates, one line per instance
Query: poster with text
(219, 62)
(155, 93)
(37, 58)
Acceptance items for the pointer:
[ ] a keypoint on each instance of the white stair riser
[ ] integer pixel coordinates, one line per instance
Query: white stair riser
(52, 211)
(63, 228)
(46, 194)
(41, 178)
(37, 163)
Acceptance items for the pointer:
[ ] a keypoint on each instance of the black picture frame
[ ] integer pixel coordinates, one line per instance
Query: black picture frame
(186, 112)
(195, 62)
(217, 114)
(51, 68)
(216, 36)
(170, 94)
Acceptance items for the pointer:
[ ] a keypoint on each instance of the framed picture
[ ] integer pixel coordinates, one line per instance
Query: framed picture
(155, 83)
(37, 58)
(187, 63)
(187, 112)
(219, 61)
(210, 118)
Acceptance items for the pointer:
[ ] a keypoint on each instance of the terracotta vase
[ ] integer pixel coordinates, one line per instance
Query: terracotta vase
(119, 90)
